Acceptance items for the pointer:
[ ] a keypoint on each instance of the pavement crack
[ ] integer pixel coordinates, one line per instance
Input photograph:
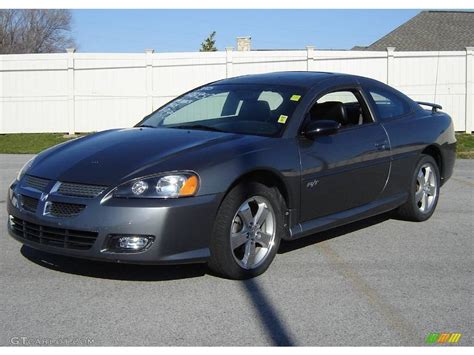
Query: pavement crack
(390, 314)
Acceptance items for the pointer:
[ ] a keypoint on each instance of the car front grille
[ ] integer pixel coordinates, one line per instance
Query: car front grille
(36, 183)
(55, 208)
(58, 237)
(61, 209)
(29, 203)
(80, 190)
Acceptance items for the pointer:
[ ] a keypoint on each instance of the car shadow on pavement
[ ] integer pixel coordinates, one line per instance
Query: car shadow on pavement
(268, 314)
(113, 271)
(288, 246)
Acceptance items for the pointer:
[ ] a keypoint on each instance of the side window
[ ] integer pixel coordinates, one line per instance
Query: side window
(388, 104)
(344, 106)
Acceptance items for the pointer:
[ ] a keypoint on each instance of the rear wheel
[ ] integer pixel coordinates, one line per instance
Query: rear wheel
(424, 191)
(247, 231)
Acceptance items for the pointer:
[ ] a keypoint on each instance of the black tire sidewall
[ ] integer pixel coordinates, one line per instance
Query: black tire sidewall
(222, 260)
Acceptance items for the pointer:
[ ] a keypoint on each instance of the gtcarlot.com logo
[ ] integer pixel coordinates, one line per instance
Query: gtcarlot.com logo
(31, 341)
(443, 338)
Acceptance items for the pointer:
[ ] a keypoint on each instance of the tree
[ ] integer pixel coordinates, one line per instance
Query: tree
(209, 44)
(35, 31)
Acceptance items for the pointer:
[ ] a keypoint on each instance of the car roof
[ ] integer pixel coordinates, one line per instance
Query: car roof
(306, 79)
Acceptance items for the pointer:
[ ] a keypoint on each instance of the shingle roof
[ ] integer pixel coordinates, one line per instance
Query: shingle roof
(430, 31)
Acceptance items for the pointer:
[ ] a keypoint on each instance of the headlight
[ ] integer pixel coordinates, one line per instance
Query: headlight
(25, 168)
(172, 185)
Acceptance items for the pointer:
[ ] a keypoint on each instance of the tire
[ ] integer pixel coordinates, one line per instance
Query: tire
(416, 209)
(240, 249)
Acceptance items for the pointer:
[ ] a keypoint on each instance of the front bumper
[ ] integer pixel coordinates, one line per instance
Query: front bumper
(181, 227)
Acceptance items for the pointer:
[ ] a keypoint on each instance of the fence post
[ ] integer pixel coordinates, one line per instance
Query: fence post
(149, 79)
(228, 61)
(390, 64)
(469, 125)
(2, 98)
(71, 98)
(309, 57)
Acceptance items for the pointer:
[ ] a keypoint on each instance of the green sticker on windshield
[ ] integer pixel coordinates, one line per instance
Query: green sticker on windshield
(282, 119)
(295, 97)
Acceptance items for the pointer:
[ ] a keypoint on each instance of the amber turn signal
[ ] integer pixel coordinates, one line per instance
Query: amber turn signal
(190, 186)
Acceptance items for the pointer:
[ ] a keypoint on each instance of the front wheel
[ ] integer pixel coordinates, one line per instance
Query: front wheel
(424, 191)
(247, 231)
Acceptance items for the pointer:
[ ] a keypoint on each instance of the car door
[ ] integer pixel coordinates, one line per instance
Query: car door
(346, 169)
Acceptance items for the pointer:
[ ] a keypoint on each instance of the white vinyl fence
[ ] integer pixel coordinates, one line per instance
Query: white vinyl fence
(84, 92)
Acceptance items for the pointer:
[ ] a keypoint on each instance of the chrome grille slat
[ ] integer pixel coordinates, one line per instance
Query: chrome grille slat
(58, 237)
(80, 190)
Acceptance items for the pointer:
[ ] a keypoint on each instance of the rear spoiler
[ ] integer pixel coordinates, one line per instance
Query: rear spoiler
(434, 107)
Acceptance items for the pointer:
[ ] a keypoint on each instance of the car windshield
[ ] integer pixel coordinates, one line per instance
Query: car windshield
(238, 108)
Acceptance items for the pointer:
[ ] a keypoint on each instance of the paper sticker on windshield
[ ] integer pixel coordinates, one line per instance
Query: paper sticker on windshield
(295, 97)
(282, 119)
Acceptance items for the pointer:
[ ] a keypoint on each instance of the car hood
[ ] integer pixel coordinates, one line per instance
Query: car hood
(111, 157)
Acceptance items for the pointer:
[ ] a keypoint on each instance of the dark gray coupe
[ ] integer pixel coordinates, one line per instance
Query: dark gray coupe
(224, 172)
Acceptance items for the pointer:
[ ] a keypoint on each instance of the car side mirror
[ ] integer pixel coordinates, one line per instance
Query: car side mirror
(320, 128)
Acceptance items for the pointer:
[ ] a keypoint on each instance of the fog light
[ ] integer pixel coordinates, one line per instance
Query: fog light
(135, 243)
(11, 220)
(130, 243)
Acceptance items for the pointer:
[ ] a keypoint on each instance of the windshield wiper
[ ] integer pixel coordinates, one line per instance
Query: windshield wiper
(199, 127)
(147, 126)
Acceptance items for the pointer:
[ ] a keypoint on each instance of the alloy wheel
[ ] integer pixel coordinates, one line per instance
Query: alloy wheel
(252, 234)
(426, 188)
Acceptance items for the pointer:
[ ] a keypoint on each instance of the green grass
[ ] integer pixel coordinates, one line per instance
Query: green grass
(24, 143)
(33, 143)
(465, 147)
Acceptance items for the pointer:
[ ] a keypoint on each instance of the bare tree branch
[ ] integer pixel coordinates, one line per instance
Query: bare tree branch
(35, 31)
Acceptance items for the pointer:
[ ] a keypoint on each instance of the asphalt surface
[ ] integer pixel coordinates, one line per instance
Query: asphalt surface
(377, 282)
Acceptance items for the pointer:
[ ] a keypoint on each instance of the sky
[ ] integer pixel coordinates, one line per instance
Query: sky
(184, 30)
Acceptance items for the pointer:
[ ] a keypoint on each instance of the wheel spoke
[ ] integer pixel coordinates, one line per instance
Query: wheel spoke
(264, 239)
(420, 178)
(431, 190)
(424, 201)
(261, 215)
(428, 174)
(419, 195)
(249, 255)
(237, 239)
(246, 214)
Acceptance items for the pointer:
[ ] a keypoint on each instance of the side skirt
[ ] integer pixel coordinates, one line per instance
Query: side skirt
(337, 219)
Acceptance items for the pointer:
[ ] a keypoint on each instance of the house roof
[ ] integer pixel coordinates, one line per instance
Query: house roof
(430, 31)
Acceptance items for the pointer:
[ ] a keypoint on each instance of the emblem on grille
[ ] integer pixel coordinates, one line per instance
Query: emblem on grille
(44, 197)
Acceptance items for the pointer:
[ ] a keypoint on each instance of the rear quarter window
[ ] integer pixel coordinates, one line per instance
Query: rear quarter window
(389, 104)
